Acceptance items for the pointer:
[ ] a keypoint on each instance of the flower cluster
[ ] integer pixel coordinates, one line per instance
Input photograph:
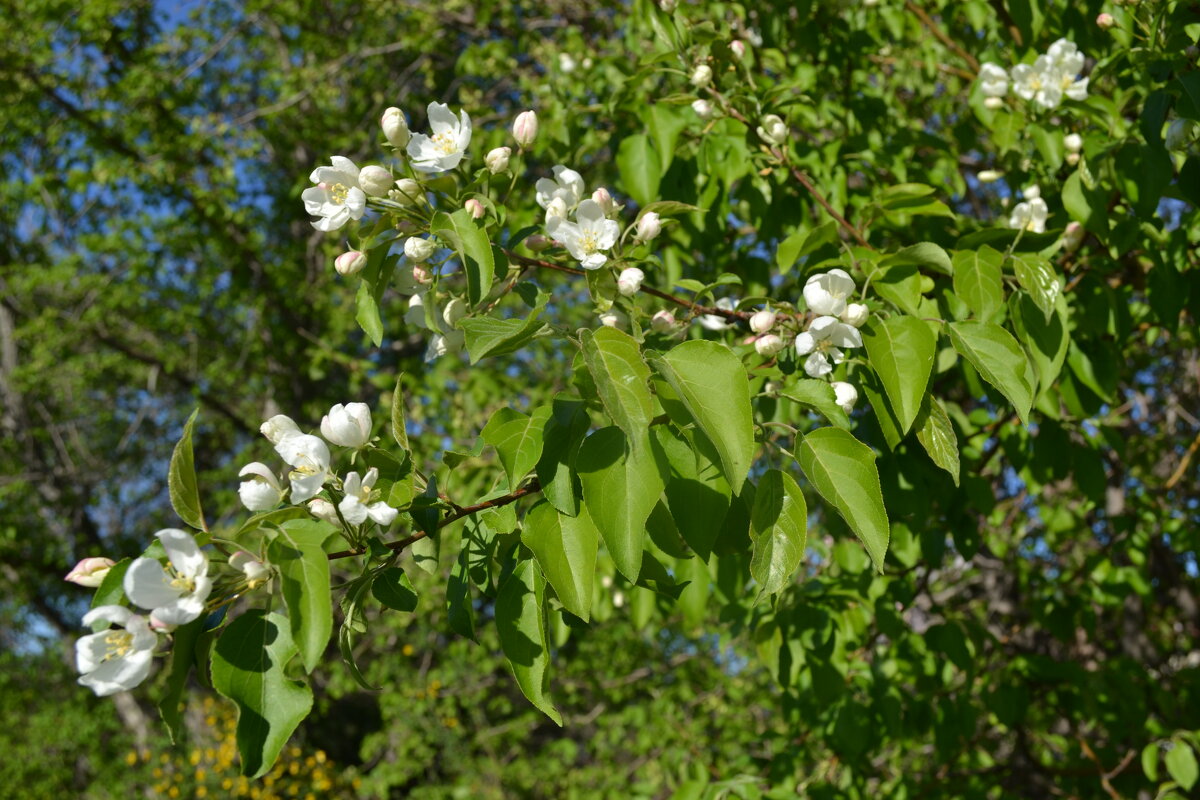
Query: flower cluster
(1052, 76)
(835, 327)
(1031, 213)
(592, 234)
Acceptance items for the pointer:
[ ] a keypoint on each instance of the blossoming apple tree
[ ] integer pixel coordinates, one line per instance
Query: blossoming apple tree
(769, 354)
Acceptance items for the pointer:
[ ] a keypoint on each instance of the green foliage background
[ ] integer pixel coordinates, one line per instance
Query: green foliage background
(1035, 627)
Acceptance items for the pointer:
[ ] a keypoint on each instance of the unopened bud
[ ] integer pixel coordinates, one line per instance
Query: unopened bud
(738, 48)
(1072, 236)
(407, 192)
(375, 181)
(662, 321)
(845, 395)
(278, 427)
(629, 281)
(1105, 21)
(255, 571)
(1032, 192)
(1073, 142)
(475, 207)
(323, 509)
(702, 76)
(856, 314)
(395, 127)
(537, 243)
(993, 103)
(1072, 159)
(649, 225)
(350, 263)
(989, 176)
(609, 320)
(418, 249)
(762, 321)
(703, 108)
(772, 388)
(525, 129)
(773, 130)
(768, 345)
(603, 199)
(90, 572)
(497, 160)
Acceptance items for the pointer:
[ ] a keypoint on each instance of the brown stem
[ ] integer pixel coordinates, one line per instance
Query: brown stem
(941, 35)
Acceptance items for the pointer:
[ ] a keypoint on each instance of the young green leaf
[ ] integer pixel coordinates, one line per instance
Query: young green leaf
(698, 494)
(367, 313)
(936, 435)
(304, 577)
(561, 436)
(565, 548)
(1036, 275)
(399, 430)
(393, 588)
(901, 350)
(843, 471)
(978, 280)
(615, 362)
(517, 439)
(181, 479)
(779, 529)
(183, 655)
(470, 242)
(521, 624)
(1000, 360)
(640, 167)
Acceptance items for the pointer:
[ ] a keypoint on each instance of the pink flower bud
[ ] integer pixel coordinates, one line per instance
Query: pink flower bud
(497, 160)
(90, 572)
(395, 127)
(762, 321)
(1072, 237)
(768, 345)
(603, 199)
(629, 281)
(537, 243)
(738, 48)
(649, 225)
(525, 129)
(421, 274)
(1105, 21)
(662, 321)
(475, 207)
(350, 263)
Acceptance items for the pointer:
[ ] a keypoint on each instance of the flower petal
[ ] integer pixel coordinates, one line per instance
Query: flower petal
(148, 586)
(183, 552)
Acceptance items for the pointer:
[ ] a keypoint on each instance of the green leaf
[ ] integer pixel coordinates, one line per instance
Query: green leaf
(561, 436)
(936, 435)
(248, 668)
(843, 471)
(712, 385)
(901, 350)
(304, 575)
(818, 395)
(1036, 275)
(641, 168)
(1150, 761)
(779, 529)
(354, 622)
(668, 208)
(801, 243)
(1000, 361)
(665, 124)
(901, 285)
(367, 313)
(565, 548)
(978, 280)
(393, 588)
(698, 493)
(111, 591)
(621, 485)
(922, 254)
(183, 655)
(518, 440)
(1046, 341)
(488, 336)
(615, 362)
(460, 231)
(1181, 764)
(181, 479)
(399, 430)
(521, 624)
(459, 614)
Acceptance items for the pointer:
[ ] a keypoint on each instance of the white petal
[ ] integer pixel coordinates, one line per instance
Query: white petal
(817, 366)
(368, 481)
(112, 614)
(345, 165)
(148, 586)
(464, 131)
(352, 484)
(805, 344)
(305, 487)
(382, 513)
(304, 450)
(589, 214)
(593, 261)
(90, 651)
(441, 118)
(183, 552)
(353, 510)
(258, 496)
(119, 674)
(844, 335)
(609, 231)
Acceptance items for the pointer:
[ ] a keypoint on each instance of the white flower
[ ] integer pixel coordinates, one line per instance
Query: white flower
(446, 148)
(261, 492)
(418, 249)
(1031, 192)
(321, 508)
(567, 186)
(1065, 57)
(990, 176)
(175, 594)
(821, 342)
(588, 237)
(525, 129)
(1031, 216)
(337, 197)
(395, 127)
(407, 192)
(702, 76)
(255, 571)
(762, 321)
(90, 572)
(1073, 142)
(1038, 83)
(649, 225)
(350, 263)
(375, 181)
(117, 659)
(356, 506)
(278, 427)
(557, 209)
(603, 199)
(772, 130)
(610, 320)
(308, 456)
(662, 321)
(497, 160)
(845, 395)
(716, 322)
(855, 314)
(566, 63)
(993, 80)
(629, 281)
(826, 294)
(703, 108)
(348, 425)
(993, 103)
(768, 345)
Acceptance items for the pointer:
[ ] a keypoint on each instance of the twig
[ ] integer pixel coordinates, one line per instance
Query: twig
(941, 35)
(1183, 463)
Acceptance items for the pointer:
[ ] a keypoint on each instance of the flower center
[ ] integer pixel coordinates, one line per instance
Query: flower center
(588, 241)
(181, 583)
(338, 193)
(117, 644)
(1036, 84)
(444, 143)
